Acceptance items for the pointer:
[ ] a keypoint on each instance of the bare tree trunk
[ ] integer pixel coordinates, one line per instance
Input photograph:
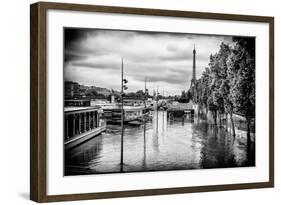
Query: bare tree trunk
(248, 131)
(232, 124)
(249, 141)
(206, 114)
(215, 117)
(226, 121)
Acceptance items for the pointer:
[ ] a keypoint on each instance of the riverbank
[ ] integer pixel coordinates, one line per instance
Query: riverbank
(159, 145)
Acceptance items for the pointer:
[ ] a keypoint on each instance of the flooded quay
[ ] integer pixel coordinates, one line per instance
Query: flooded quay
(160, 145)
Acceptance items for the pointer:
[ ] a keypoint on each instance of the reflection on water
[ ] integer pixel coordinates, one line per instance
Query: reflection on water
(160, 145)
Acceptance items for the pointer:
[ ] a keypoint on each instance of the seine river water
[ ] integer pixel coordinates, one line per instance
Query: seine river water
(161, 145)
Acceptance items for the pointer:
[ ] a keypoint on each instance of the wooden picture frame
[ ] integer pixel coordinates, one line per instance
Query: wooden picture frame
(38, 100)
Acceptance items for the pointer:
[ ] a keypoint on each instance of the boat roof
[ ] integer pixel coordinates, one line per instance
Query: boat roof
(133, 108)
(126, 108)
(75, 108)
(77, 100)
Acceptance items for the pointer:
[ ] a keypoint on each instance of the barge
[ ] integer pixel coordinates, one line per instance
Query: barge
(81, 124)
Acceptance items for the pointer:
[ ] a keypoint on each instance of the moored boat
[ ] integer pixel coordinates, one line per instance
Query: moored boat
(82, 124)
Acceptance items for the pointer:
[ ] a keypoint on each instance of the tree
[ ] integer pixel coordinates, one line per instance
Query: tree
(228, 84)
(205, 82)
(185, 97)
(91, 93)
(241, 68)
(140, 93)
(131, 94)
(212, 107)
(228, 105)
(218, 66)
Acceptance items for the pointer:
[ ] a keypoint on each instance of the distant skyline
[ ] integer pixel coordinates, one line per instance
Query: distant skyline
(93, 57)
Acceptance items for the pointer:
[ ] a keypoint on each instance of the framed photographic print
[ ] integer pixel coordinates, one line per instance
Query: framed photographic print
(134, 102)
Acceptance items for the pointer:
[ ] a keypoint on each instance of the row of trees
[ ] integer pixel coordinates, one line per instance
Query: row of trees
(185, 97)
(94, 94)
(227, 86)
(137, 94)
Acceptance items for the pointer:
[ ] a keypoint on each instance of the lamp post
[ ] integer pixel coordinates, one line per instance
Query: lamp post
(144, 125)
(157, 110)
(123, 87)
(145, 94)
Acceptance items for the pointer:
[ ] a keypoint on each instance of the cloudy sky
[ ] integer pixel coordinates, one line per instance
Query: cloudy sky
(93, 57)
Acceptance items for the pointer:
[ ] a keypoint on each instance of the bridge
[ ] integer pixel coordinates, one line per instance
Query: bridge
(182, 109)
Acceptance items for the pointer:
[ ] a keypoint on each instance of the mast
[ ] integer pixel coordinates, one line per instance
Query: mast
(144, 92)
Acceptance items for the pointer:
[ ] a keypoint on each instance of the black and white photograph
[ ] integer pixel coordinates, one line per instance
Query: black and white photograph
(142, 101)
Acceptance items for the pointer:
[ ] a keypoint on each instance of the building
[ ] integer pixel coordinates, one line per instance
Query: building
(71, 89)
(77, 103)
(83, 90)
(134, 101)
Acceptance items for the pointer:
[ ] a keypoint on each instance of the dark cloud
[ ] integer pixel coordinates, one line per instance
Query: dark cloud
(73, 56)
(165, 59)
(96, 65)
(73, 34)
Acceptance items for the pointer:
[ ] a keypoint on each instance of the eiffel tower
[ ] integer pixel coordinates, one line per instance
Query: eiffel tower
(193, 80)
